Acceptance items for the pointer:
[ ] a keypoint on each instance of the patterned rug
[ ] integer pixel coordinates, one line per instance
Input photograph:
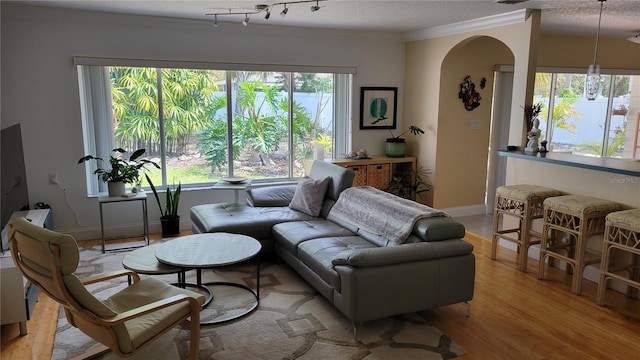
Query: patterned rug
(293, 321)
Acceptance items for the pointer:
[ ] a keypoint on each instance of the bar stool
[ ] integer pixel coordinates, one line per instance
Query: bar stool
(621, 237)
(523, 202)
(578, 217)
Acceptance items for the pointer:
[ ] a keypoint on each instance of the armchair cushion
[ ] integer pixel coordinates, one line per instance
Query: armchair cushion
(309, 195)
(143, 292)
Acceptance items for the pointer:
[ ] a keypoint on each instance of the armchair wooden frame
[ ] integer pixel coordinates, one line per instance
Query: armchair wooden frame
(44, 260)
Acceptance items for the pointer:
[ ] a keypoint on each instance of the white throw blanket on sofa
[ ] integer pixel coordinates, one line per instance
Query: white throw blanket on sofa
(381, 213)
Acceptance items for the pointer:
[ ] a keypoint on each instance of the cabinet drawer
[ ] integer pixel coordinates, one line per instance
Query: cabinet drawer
(361, 174)
(378, 175)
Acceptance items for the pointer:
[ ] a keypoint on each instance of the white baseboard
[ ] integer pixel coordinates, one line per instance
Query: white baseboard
(120, 231)
(480, 209)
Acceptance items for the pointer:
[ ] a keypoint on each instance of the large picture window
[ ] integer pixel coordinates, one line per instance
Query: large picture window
(606, 127)
(202, 125)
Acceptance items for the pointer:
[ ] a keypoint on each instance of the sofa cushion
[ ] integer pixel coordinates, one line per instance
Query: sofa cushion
(318, 255)
(309, 195)
(242, 219)
(290, 234)
(341, 178)
(271, 195)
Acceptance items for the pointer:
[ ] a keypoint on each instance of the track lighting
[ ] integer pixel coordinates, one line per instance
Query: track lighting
(267, 10)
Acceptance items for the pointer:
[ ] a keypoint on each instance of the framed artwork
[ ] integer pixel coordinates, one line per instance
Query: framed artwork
(378, 107)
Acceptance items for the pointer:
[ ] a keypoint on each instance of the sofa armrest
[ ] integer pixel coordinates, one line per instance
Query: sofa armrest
(270, 196)
(438, 229)
(380, 256)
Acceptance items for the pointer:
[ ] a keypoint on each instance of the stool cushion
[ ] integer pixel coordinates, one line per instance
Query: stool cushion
(526, 192)
(627, 218)
(581, 205)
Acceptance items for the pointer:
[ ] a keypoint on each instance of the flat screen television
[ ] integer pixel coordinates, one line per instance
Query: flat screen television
(15, 196)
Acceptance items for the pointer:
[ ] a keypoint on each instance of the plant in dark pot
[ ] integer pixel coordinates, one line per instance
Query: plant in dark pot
(169, 218)
(409, 184)
(396, 146)
(122, 171)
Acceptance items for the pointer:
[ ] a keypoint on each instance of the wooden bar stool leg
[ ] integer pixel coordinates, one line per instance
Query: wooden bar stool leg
(543, 245)
(604, 268)
(579, 262)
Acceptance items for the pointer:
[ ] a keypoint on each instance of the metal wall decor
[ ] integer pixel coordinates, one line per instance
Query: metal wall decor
(470, 97)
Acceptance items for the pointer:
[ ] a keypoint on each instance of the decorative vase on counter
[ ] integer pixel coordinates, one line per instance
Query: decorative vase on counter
(395, 147)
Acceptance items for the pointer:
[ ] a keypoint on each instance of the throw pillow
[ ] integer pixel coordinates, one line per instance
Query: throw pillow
(309, 195)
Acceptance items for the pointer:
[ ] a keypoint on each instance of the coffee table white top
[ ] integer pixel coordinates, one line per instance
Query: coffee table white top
(208, 250)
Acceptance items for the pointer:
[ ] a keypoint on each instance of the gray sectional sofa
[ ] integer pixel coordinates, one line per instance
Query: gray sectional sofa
(369, 253)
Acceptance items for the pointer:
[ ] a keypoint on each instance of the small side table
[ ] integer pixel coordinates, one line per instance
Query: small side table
(142, 197)
(235, 186)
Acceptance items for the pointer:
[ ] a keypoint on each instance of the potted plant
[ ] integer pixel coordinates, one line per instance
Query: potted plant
(396, 146)
(169, 218)
(122, 171)
(409, 184)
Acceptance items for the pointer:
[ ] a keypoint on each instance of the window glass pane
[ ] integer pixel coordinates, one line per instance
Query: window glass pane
(312, 119)
(621, 130)
(589, 119)
(260, 125)
(542, 94)
(189, 103)
(135, 113)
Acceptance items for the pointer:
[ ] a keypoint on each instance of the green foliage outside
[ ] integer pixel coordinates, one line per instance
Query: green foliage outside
(563, 108)
(192, 123)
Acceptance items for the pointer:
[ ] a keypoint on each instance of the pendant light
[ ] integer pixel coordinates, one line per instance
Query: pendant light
(593, 73)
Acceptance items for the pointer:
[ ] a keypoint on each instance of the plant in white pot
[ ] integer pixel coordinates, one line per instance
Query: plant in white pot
(121, 171)
(169, 218)
(396, 146)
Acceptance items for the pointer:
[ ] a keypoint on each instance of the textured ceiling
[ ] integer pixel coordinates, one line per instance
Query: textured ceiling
(620, 19)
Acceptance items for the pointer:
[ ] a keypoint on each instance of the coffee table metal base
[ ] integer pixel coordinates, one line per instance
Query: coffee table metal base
(255, 293)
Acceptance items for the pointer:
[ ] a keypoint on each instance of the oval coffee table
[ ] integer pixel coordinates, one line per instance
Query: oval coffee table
(210, 250)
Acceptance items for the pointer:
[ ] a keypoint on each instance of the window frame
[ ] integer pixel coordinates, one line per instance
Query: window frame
(555, 71)
(342, 97)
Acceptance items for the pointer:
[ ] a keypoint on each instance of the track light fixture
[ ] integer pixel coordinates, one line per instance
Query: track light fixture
(267, 10)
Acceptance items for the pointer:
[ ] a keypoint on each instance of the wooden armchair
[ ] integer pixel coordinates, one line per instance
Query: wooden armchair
(125, 322)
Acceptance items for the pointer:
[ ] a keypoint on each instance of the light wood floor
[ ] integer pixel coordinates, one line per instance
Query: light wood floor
(513, 316)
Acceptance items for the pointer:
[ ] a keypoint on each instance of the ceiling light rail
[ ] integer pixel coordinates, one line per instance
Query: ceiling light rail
(266, 9)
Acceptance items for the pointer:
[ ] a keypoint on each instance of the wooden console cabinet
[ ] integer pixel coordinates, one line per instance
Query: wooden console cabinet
(378, 170)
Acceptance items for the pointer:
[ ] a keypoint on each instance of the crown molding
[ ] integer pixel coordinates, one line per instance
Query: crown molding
(510, 18)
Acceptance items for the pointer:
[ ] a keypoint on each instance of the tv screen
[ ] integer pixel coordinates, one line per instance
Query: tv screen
(15, 196)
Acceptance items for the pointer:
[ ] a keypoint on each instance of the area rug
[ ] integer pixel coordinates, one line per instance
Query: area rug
(293, 321)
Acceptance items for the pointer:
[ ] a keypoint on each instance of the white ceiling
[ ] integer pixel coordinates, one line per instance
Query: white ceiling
(620, 19)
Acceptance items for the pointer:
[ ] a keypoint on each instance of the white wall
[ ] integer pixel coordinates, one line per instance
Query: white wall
(40, 89)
